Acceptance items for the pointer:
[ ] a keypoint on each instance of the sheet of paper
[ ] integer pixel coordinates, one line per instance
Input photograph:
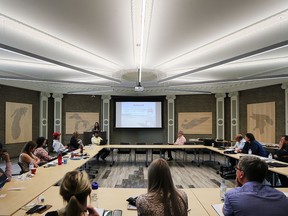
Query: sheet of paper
(218, 208)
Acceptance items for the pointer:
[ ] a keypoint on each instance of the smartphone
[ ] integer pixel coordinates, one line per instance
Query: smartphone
(108, 213)
(117, 212)
(36, 208)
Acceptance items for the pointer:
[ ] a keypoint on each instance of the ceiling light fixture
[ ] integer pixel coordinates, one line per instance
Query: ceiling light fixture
(138, 87)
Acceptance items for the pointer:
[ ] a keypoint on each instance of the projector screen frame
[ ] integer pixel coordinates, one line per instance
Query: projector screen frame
(137, 99)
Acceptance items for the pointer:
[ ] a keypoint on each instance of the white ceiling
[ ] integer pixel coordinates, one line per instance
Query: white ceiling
(189, 46)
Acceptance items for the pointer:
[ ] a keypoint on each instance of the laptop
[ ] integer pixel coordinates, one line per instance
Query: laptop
(3, 178)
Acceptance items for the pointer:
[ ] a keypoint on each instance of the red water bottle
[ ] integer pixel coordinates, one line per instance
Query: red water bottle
(59, 158)
(81, 149)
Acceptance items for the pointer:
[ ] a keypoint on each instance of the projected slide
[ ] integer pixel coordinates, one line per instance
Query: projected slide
(138, 115)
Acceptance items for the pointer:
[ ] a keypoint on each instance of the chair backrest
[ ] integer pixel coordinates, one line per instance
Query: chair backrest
(158, 143)
(22, 167)
(140, 143)
(124, 143)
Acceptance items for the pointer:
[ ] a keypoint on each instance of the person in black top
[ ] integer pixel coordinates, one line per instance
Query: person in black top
(74, 141)
(255, 146)
(282, 155)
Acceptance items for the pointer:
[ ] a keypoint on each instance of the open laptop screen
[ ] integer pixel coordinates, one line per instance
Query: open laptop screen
(3, 178)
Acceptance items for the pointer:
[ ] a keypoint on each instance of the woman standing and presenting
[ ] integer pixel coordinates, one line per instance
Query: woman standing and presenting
(162, 199)
(96, 127)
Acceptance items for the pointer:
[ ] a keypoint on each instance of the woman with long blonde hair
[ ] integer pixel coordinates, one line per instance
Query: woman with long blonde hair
(75, 189)
(162, 199)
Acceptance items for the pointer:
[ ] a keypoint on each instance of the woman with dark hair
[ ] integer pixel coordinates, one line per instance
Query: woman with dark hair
(162, 199)
(75, 142)
(75, 189)
(254, 145)
(40, 152)
(26, 156)
(96, 127)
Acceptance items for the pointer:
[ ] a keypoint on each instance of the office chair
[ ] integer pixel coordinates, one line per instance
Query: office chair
(23, 168)
(124, 151)
(156, 151)
(141, 151)
(191, 151)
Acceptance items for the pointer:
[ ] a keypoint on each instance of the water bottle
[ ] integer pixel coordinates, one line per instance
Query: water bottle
(249, 151)
(59, 158)
(95, 194)
(81, 148)
(223, 189)
(270, 157)
(31, 165)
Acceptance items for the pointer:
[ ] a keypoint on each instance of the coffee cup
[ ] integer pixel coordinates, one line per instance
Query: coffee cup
(33, 171)
(65, 160)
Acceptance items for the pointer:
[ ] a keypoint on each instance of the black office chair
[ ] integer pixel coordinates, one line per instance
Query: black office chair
(141, 151)
(156, 151)
(195, 152)
(124, 151)
(23, 168)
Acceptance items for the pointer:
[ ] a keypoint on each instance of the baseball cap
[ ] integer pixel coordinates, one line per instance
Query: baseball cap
(56, 134)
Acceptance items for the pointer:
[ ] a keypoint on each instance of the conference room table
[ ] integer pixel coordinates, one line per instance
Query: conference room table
(200, 200)
(21, 190)
(115, 198)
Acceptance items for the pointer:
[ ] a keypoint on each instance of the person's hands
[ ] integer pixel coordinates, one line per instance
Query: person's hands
(92, 211)
(6, 157)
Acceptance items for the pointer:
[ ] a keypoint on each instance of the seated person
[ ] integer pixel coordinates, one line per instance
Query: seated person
(240, 143)
(103, 153)
(179, 141)
(251, 197)
(282, 155)
(27, 156)
(40, 150)
(75, 190)
(75, 142)
(254, 145)
(162, 198)
(57, 145)
(8, 165)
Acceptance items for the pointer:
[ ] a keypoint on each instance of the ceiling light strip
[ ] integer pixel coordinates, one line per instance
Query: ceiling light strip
(225, 81)
(232, 59)
(142, 39)
(53, 39)
(51, 81)
(62, 64)
(271, 20)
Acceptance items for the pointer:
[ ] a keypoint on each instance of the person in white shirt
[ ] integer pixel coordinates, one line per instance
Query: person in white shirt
(96, 140)
(240, 143)
(57, 145)
(179, 141)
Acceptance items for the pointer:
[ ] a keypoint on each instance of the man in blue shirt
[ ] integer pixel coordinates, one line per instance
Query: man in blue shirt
(251, 197)
(254, 145)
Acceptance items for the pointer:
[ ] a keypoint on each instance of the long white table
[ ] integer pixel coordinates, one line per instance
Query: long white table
(44, 178)
(115, 198)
